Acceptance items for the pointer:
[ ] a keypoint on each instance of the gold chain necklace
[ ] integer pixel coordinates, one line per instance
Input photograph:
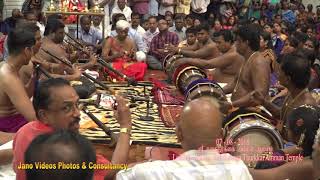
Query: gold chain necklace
(287, 104)
(240, 72)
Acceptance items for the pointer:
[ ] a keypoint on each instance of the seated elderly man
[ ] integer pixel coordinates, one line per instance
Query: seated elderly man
(132, 33)
(121, 50)
(57, 107)
(200, 126)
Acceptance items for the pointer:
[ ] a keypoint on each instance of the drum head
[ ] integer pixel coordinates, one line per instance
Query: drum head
(204, 87)
(251, 135)
(185, 74)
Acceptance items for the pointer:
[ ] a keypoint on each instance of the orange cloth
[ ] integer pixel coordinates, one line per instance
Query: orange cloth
(24, 137)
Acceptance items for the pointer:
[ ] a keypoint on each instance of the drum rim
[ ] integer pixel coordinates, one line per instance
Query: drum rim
(202, 84)
(165, 60)
(266, 127)
(246, 114)
(185, 69)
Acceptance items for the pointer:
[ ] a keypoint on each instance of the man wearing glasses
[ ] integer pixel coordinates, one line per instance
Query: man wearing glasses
(56, 104)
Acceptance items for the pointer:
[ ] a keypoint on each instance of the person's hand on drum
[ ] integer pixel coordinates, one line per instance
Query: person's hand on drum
(122, 112)
(225, 106)
(180, 61)
(172, 49)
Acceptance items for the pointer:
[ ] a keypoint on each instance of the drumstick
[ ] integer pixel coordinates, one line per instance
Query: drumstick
(106, 129)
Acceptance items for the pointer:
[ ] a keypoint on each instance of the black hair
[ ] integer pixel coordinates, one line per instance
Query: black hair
(30, 26)
(191, 30)
(46, 148)
(27, 13)
(251, 34)
(226, 34)
(191, 16)
(267, 37)
(305, 119)
(153, 17)
(293, 41)
(297, 68)
(19, 39)
(135, 14)
(82, 18)
(178, 18)
(301, 37)
(54, 16)
(203, 26)
(52, 26)
(42, 98)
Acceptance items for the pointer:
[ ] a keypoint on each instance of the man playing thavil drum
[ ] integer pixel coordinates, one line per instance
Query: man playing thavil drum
(254, 75)
(295, 76)
(206, 48)
(227, 65)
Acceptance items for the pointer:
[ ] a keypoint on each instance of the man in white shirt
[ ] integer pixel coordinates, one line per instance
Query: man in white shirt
(199, 126)
(153, 31)
(199, 7)
(120, 6)
(179, 28)
(135, 23)
(166, 5)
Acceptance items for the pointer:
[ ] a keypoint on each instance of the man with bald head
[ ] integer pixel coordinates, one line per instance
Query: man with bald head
(199, 130)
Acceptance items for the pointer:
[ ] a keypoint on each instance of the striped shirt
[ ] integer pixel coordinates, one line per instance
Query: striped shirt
(159, 41)
(191, 165)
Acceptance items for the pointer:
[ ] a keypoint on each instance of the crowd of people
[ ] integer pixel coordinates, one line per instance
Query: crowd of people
(252, 46)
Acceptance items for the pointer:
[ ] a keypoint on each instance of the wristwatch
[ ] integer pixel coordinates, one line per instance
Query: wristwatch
(125, 130)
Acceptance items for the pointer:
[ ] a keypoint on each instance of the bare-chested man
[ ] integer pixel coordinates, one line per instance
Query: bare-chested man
(254, 75)
(207, 49)
(191, 41)
(294, 75)
(52, 42)
(226, 66)
(120, 50)
(15, 106)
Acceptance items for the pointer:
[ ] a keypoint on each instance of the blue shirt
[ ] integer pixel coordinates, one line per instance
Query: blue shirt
(93, 36)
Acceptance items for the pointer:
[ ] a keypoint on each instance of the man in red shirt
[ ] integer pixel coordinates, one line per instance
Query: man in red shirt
(56, 105)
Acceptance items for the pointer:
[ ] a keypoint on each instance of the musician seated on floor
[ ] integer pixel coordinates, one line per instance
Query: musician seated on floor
(207, 49)
(57, 107)
(60, 148)
(199, 129)
(89, 35)
(52, 42)
(191, 39)
(227, 65)
(159, 44)
(121, 50)
(294, 75)
(15, 105)
(302, 125)
(254, 75)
